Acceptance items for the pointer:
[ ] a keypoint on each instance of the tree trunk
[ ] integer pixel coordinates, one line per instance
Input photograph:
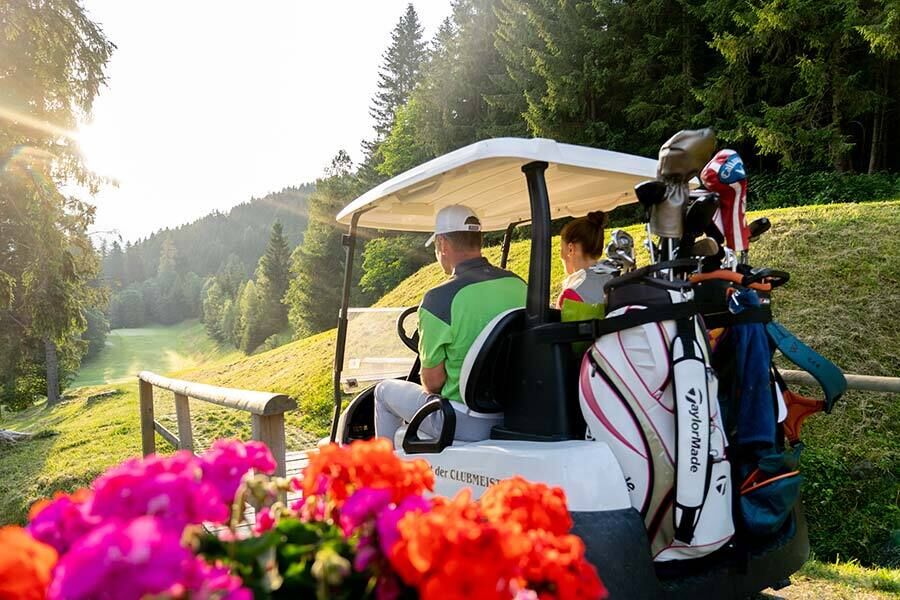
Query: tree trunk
(11, 437)
(52, 361)
(876, 142)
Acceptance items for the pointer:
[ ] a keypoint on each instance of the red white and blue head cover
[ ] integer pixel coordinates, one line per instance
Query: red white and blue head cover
(726, 176)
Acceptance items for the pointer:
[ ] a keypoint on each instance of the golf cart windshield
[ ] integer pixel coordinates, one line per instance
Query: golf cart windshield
(374, 350)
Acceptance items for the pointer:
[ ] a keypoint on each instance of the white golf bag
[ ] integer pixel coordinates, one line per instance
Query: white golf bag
(649, 393)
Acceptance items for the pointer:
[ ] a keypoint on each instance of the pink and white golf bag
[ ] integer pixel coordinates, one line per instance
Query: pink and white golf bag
(649, 392)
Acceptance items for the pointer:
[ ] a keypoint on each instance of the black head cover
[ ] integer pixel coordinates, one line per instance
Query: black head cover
(649, 194)
(699, 213)
(758, 227)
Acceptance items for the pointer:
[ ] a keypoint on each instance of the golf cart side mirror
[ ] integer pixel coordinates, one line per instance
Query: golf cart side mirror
(412, 444)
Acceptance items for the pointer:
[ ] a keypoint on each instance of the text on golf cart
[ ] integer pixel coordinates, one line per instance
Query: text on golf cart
(465, 477)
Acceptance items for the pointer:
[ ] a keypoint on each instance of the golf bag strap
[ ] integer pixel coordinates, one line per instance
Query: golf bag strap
(693, 465)
(651, 314)
(588, 331)
(714, 317)
(825, 372)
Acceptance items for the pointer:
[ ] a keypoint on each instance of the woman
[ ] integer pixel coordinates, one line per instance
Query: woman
(581, 246)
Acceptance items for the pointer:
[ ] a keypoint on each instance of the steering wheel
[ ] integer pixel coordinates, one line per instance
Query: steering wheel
(410, 341)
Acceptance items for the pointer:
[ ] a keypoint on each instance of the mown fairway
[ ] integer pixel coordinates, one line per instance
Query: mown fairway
(162, 349)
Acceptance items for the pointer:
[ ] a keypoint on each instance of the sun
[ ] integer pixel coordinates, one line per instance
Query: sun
(100, 148)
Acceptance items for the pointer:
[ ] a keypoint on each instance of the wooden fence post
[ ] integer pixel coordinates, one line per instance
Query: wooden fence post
(183, 418)
(269, 429)
(148, 439)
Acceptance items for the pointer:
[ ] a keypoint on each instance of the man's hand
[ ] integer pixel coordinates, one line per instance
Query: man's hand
(433, 378)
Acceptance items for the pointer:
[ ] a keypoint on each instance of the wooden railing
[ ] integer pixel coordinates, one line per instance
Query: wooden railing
(870, 383)
(266, 413)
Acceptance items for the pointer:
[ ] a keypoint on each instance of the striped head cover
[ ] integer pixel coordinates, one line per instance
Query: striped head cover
(726, 176)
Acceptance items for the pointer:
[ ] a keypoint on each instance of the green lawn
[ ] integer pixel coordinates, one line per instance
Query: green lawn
(163, 349)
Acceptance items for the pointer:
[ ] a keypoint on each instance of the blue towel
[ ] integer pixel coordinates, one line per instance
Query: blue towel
(756, 411)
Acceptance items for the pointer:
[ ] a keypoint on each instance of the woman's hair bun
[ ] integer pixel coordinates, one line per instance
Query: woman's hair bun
(598, 218)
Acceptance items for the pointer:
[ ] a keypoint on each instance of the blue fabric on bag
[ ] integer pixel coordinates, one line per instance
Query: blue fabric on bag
(766, 508)
(756, 413)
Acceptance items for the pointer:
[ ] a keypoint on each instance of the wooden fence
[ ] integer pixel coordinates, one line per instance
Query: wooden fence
(266, 413)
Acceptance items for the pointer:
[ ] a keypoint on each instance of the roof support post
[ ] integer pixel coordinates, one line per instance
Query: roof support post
(350, 245)
(537, 306)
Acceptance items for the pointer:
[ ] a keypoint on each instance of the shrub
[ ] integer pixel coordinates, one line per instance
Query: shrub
(800, 188)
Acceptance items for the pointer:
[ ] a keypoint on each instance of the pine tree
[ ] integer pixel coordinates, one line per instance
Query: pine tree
(313, 295)
(272, 279)
(399, 71)
(249, 320)
(114, 266)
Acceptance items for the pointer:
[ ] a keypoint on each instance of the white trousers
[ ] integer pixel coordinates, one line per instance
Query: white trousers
(397, 401)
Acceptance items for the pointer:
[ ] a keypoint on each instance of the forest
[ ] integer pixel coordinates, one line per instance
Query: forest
(806, 92)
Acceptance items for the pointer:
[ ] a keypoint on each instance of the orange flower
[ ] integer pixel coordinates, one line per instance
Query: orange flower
(556, 568)
(338, 471)
(530, 505)
(25, 565)
(454, 552)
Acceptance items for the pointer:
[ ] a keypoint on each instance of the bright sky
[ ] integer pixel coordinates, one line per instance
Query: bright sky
(210, 103)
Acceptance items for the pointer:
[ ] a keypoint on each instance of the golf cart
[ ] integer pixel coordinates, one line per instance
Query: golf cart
(523, 364)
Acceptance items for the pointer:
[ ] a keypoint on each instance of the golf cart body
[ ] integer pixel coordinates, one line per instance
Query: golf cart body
(523, 366)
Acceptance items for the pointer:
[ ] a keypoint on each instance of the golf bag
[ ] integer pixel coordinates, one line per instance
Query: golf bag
(647, 390)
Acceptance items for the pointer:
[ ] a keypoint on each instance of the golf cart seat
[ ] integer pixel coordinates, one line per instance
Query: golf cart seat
(482, 384)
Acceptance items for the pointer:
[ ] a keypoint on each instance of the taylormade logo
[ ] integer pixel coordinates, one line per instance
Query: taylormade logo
(695, 397)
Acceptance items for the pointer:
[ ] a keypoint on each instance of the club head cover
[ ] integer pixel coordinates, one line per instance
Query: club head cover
(684, 154)
(757, 227)
(700, 211)
(725, 175)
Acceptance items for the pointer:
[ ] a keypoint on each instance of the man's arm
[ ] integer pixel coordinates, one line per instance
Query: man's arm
(433, 378)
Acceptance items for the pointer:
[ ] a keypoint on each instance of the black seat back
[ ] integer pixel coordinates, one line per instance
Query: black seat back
(483, 378)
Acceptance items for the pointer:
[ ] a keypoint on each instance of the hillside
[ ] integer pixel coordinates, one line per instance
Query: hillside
(843, 299)
(205, 244)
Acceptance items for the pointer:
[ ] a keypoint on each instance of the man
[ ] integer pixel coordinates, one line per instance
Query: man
(450, 318)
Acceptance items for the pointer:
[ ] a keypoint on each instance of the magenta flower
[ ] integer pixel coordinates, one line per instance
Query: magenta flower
(203, 581)
(121, 561)
(61, 522)
(168, 487)
(386, 523)
(264, 520)
(364, 505)
(225, 464)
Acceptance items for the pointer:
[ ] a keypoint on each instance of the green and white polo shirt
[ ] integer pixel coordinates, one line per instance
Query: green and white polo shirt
(453, 314)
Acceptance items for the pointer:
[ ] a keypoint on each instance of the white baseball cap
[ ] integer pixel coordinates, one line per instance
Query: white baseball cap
(453, 218)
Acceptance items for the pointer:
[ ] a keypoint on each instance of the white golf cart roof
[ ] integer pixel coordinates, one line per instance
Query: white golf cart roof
(486, 176)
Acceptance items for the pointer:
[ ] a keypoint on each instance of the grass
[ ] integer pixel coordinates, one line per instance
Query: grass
(842, 299)
(161, 349)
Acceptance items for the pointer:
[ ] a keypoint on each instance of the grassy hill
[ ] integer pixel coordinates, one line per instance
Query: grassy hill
(843, 299)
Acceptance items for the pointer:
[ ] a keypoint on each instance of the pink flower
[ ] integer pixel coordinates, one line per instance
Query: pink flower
(264, 521)
(225, 464)
(121, 561)
(203, 581)
(62, 521)
(364, 505)
(169, 487)
(386, 524)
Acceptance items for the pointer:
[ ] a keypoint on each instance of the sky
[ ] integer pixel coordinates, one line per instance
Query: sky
(211, 103)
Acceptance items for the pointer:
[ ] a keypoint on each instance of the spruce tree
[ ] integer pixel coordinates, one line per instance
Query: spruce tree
(272, 279)
(399, 71)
